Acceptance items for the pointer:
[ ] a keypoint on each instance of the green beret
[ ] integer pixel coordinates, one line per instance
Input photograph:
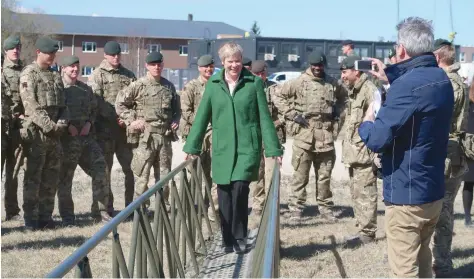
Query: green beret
(69, 60)
(349, 62)
(47, 45)
(439, 43)
(246, 61)
(317, 57)
(391, 52)
(11, 42)
(112, 48)
(258, 66)
(205, 60)
(154, 57)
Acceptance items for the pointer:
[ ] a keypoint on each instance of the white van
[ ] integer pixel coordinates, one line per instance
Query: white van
(281, 77)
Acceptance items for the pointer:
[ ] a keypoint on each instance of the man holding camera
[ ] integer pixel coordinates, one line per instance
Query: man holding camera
(412, 131)
(356, 156)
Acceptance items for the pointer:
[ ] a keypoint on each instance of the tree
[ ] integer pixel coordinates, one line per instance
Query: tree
(28, 25)
(255, 29)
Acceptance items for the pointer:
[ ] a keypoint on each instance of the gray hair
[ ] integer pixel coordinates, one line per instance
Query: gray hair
(230, 49)
(416, 35)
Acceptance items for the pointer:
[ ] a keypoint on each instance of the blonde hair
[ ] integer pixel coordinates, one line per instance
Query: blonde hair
(230, 49)
(446, 54)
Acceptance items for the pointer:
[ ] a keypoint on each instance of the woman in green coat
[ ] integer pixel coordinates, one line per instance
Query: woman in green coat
(234, 102)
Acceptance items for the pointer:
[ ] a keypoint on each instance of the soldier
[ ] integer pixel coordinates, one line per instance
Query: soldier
(247, 63)
(106, 81)
(152, 120)
(46, 117)
(80, 147)
(190, 99)
(355, 155)
(311, 104)
(348, 47)
(455, 163)
(265, 172)
(6, 117)
(11, 74)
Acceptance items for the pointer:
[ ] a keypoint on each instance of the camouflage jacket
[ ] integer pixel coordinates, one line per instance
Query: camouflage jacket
(190, 99)
(11, 73)
(106, 82)
(81, 103)
(455, 163)
(155, 102)
(354, 151)
(6, 107)
(272, 89)
(42, 95)
(321, 102)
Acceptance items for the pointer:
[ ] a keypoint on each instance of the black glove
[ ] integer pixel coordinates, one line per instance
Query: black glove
(300, 120)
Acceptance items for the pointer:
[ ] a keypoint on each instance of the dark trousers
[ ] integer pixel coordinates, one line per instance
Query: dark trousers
(233, 211)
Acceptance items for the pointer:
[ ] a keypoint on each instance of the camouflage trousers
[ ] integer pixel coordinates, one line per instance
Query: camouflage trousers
(86, 152)
(443, 234)
(156, 152)
(9, 148)
(261, 186)
(206, 161)
(43, 162)
(323, 163)
(123, 151)
(363, 186)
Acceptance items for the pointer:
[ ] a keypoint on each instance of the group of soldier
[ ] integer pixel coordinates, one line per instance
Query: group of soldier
(58, 122)
(53, 122)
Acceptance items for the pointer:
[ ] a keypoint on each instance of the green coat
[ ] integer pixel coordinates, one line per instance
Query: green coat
(238, 124)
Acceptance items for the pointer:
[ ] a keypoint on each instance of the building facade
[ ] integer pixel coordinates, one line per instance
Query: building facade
(85, 37)
(466, 54)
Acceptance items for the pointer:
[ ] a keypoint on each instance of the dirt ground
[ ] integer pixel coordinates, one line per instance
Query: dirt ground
(307, 248)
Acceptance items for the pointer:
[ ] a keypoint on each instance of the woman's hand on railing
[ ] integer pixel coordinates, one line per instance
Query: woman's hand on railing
(190, 156)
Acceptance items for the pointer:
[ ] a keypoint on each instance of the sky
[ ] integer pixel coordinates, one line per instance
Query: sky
(321, 19)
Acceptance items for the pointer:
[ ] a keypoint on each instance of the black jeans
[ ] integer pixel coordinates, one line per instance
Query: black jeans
(233, 211)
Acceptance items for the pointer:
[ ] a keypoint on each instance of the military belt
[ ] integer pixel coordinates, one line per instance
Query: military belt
(318, 124)
(158, 129)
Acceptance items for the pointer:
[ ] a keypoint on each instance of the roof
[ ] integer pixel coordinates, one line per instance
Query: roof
(135, 27)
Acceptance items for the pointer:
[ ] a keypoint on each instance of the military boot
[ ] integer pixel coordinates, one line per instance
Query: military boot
(46, 224)
(31, 225)
(13, 217)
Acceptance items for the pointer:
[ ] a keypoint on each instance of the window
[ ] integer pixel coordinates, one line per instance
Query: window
(361, 51)
(281, 78)
(462, 57)
(289, 49)
(311, 48)
(60, 44)
(335, 51)
(154, 47)
(382, 53)
(472, 58)
(87, 71)
(124, 48)
(262, 49)
(89, 47)
(183, 50)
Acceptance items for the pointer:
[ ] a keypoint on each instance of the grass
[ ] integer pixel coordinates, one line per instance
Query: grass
(307, 248)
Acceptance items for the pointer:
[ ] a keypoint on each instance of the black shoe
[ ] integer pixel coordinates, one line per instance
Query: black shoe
(13, 217)
(69, 221)
(241, 246)
(468, 222)
(31, 225)
(46, 224)
(353, 241)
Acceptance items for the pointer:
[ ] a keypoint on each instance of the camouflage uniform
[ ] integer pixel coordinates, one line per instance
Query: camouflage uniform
(6, 120)
(42, 94)
(190, 99)
(11, 76)
(106, 82)
(265, 172)
(358, 158)
(82, 150)
(155, 103)
(455, 168)
(319, 100)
